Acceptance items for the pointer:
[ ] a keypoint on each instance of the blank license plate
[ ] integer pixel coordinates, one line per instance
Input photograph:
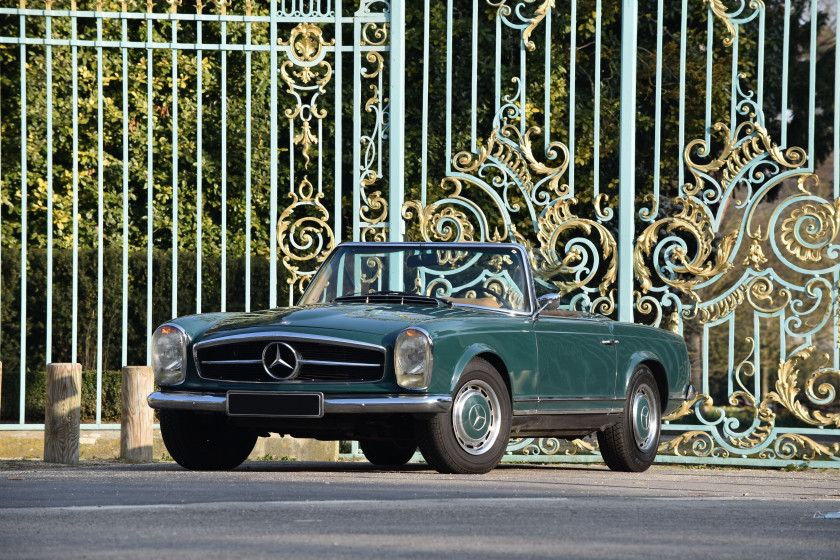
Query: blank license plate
(283, 405)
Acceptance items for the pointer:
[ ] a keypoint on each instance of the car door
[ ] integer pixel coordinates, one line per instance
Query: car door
(577, 363)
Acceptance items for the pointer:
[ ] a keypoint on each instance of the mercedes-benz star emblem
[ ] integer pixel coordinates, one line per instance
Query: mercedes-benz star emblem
(645, 418)
(280, 360)
(477, 417)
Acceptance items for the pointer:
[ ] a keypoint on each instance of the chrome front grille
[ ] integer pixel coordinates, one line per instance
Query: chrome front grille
(321, 359)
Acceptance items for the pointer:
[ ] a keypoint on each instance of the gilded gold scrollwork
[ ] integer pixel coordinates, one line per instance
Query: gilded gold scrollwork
(517, 156)
(821, 224)
(749, 141)
(443, 220)
(787, 391)
(729, 19)
(797, 446)
(542, 11)
(558, 220)
(306, 43)
(699, 443)
(305, 239)
(688, 271)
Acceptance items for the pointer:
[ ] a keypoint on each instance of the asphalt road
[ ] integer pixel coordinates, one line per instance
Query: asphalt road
(352, 510)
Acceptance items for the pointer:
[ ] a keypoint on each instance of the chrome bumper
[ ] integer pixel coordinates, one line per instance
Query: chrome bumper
(216, 402)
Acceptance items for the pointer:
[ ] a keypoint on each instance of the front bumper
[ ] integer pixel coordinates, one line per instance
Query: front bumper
(405, 404)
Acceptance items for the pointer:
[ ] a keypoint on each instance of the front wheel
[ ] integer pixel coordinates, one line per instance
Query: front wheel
(472, 437)
(630, 445)
(204, 442)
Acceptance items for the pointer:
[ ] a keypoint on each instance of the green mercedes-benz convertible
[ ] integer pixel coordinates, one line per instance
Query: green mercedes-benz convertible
(445, 347)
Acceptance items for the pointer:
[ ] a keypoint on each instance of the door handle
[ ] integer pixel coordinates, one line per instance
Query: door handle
(609, 342)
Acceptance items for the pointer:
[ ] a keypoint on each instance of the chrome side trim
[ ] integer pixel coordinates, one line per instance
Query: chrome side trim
(605, 412)
(408, 404)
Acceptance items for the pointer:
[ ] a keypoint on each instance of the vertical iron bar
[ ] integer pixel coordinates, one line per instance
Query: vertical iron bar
(760, 87)
(174, 164)
(100, 214)
(710, 32)
(474, 88)
(449, 86)
(149, 189)
(657, 135)
(596, 157)
(733, 92)
(272, 296)
(424, 156)
(75, 287)
(396, 129)
(124, 363)
(23, 219)
(785, 58)
(547, 85)
(836, 176)
(627, 159)
(248, 166)
(199, 164)
(339, 42)
(812, 86)
(224, 166)
(572, 77)
(681, 126)
(498, 65)
(48, 25)
(357, 129)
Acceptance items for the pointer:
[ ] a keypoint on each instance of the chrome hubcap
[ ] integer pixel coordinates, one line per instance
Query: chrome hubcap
(476, 417)
(646, 422)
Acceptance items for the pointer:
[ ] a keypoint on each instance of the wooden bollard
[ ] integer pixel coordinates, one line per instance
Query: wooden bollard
(61, 414)
(137, 416)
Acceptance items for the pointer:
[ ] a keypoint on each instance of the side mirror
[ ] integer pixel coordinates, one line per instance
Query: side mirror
(548, 302)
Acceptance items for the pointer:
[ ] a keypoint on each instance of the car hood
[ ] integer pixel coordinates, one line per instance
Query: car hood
(374, 319)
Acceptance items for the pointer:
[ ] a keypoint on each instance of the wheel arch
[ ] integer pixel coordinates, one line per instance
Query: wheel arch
(488, 354)
(658, 371)
(654, 364)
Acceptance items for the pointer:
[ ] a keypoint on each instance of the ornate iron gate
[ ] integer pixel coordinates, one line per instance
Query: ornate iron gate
(676, 161)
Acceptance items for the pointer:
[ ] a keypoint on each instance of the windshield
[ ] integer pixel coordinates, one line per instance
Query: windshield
(492, 277)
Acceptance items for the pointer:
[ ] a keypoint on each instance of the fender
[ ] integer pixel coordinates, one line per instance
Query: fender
(625, 370)
(471, 352)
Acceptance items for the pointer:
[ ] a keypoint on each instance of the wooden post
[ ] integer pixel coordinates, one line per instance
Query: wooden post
(1, 385)
(137, 416)
(61, 414)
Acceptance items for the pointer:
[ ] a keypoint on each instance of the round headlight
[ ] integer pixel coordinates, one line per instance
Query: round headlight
(413, 359)
(169, 352)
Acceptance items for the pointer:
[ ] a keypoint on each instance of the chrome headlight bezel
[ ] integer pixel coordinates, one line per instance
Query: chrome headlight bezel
(413, 359)
(171, 372)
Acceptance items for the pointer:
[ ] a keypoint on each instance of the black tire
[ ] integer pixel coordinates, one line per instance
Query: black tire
(472, 437)
(393, 453)
(204, 442)
(630, 445)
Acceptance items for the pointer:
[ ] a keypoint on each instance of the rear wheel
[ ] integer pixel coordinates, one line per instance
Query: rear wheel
(472, 437)
(388, 453)
(630, 445)
(204, 442)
